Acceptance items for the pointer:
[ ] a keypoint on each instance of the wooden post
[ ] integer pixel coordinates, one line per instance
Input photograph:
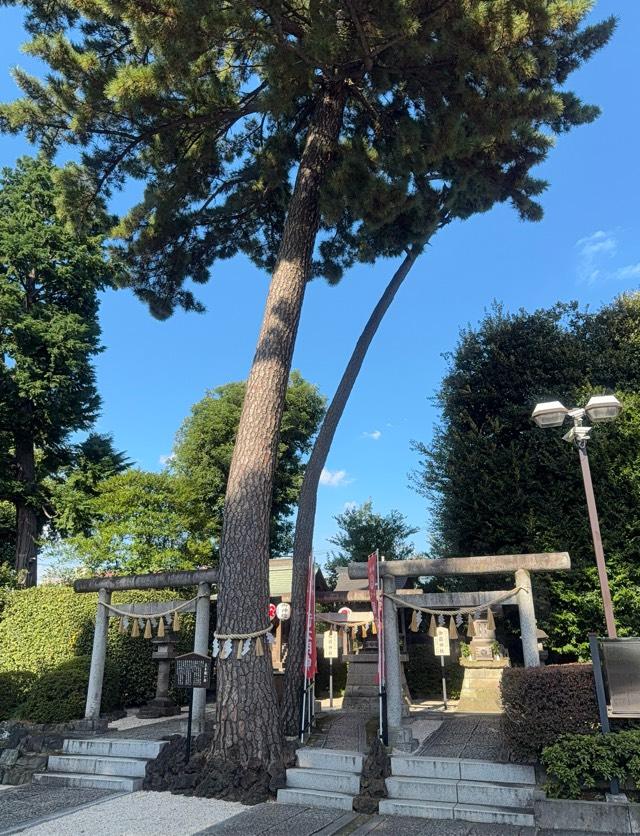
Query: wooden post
(98, 654)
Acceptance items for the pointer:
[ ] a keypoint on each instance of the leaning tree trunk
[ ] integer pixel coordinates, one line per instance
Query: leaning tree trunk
(247, 714)
(303, 540)
(26, 516)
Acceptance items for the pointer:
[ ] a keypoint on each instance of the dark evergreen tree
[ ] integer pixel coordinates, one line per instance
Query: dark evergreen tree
(50, 273)
(497, 484)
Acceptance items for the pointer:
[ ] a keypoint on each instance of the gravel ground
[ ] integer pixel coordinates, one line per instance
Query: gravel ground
(141, 814)
(27, 802)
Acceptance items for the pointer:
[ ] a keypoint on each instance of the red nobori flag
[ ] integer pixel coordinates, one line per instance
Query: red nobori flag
(311, 653)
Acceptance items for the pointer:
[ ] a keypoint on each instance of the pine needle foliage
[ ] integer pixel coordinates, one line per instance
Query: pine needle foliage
(449, 105)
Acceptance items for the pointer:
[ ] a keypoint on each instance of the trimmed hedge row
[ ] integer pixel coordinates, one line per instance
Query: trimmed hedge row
(578, 762)
(44, 627)
(59, 695)
(540, 704)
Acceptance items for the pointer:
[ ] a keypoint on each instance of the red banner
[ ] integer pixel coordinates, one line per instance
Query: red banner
(311, 653)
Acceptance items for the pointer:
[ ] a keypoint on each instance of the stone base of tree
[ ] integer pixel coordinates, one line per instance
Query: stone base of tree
(375, 769)
(209, 777)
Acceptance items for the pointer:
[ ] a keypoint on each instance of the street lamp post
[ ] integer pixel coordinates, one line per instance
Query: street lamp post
(600, 408)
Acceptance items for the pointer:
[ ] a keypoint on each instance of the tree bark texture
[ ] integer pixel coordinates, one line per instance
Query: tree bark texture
(305, 520)
(247, 712)
(26, 515)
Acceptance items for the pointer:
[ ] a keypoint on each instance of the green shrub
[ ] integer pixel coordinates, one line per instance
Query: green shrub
(15, 686)
(578, 762)
(45, 626)
(424, 673)
(59, 695)
(540, 704)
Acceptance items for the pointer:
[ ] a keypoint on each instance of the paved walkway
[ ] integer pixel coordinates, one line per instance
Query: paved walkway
(345, 730)
(32, 802)
(293, 820)
(476, 736)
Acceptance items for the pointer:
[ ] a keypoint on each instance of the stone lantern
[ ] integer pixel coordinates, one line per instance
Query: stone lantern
(164, 651)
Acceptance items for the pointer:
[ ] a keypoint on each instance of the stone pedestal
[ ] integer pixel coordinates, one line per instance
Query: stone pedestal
(480, 693)
(162, 705)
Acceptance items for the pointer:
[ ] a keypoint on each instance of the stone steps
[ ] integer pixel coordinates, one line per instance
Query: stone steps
(101, 763)
(461, 792)
(334, 759)
(76, 779)
(97, 765)
(323, 778)
(328, 780)
(315, 798)
(113, 747)
(462, 769)
(464, 812)
(457, 788)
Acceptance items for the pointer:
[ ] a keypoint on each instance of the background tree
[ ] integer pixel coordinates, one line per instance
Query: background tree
(361, 531)
(376, 108)
(204, 446)
(498, 484)
(71, 489)
(50, 274)
(145, 522)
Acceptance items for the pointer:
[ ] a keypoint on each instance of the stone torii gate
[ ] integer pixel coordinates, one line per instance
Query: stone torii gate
(105, 586)
(520, 565)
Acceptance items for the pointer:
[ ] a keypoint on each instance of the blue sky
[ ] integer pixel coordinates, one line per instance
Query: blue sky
(586, 248)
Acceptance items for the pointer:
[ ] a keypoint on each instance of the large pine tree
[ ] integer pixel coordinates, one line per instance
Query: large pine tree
(50, 274)
(264, 127)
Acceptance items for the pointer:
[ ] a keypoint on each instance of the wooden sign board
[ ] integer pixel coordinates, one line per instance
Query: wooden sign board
(193, 670)
(441, 644)
(330, 644)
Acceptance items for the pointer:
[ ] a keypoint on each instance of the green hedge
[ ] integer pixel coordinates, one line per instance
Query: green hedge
(43, 627)
(424, 674)
(578, 762)
(15, 686)
(540, 704)
(59, 694)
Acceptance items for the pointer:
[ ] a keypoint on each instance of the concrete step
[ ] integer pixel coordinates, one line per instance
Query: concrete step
(347, 783)
(495, 794)
(330, 759)
(495, 815)
(420, 809)
(114, 747)
(462, 769)
(461, 792)
(422, 789)
(96, 765)
(464, 812)
(316, 798)
(100, 782)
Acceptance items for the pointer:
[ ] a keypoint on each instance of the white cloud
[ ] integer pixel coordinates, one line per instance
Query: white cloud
(166, 458)
(333, 478)
(374, 434)
(630, 271)
(350, 506)
(592, 251)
